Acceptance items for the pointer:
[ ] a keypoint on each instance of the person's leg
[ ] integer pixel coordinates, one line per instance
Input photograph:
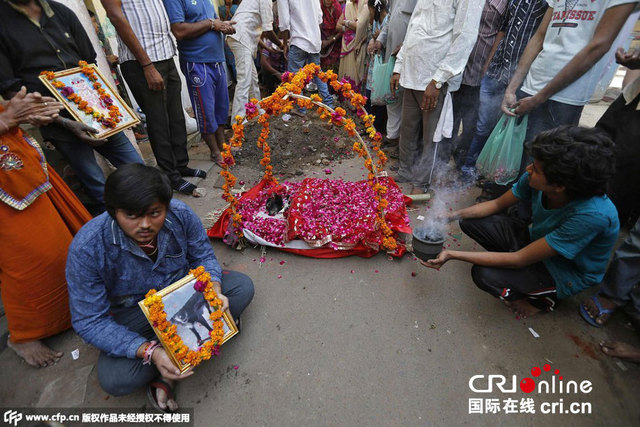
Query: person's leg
(394, 117)
(177, 125)
(323, 88)
(409, 131)
(550, 115)
(244, 75)
(119, 150)
(467, 112)
(622, 122)
(424, 168)
(238, 287)
(527, 290)
(220, 101)
(491, 95)
(497, 233)
(82, 159)
(197, 76)
(154, 105)
(297, 59)
(119, 376)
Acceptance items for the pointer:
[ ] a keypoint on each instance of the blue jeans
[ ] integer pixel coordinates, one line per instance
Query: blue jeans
(550, 115)
(491, 95)
(119, 376)
(118, 150)
(298, 58)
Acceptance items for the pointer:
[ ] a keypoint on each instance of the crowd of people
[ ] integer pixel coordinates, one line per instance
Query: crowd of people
(471, 60)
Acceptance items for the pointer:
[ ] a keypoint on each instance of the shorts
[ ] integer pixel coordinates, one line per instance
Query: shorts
(207, 84)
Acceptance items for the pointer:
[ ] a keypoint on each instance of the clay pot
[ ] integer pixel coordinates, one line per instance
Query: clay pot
(426, 249)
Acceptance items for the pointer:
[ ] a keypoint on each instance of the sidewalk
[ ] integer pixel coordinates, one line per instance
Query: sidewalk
(355, 341)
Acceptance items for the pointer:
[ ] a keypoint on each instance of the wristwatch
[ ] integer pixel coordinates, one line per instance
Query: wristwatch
(437, 84)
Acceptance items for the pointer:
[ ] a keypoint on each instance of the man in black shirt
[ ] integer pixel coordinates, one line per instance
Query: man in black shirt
(38, 35)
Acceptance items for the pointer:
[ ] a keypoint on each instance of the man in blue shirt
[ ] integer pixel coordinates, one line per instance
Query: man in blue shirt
(574, 224)
(200, 36)
(144, 241)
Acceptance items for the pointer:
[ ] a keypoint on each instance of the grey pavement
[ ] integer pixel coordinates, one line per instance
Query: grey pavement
(362, 342)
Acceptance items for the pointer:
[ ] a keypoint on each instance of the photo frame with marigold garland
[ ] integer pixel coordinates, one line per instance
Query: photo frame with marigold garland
(78, 81)
(229, 326)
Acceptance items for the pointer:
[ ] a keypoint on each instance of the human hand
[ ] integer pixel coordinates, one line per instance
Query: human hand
(31, 108)
(154, 79)
(226, 27)
(81, 131)
(166, 367)
(396, 50)
(525, 105)
(284, 36)
(630, 59)
(373, 47)
(437, 262)
(394, 83)
(509, 104)
(430, 97)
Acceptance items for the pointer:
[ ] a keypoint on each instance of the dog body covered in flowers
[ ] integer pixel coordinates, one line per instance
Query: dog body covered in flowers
(144, 241)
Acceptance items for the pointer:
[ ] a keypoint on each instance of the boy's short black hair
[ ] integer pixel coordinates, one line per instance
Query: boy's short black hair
(580, 159)
(135, 187)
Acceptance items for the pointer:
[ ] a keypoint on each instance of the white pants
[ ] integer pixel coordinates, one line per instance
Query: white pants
(394, 117)
(247, 76)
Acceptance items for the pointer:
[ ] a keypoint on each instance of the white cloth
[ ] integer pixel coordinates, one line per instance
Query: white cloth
(302, 18)
(247, 76)
(444, 128)
(569, 31)
(252, 18)
(394, 116)
(392, 34)
(440, 37)
(150, 24)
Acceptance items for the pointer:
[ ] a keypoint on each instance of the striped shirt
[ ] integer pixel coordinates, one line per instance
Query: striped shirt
(491, 22)
(150, 24)
(522, 20)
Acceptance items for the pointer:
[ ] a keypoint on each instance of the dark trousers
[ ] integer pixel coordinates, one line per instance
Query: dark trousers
(119, 375)
(621, 283)
(165, 118)
(622, 123)
(465, 111)
(501, 233)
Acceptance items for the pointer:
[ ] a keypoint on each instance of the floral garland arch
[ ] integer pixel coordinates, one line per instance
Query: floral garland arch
(285, 97)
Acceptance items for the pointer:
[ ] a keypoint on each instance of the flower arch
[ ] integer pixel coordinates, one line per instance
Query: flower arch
(284, 99)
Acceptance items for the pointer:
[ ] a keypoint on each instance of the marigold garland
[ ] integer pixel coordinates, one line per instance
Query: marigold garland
(172, 342)
(283, 99)
(108, 121)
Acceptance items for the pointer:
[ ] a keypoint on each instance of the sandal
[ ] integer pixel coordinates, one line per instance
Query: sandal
(183, 186)
(197, 173)
(601, 311)
(153, 399)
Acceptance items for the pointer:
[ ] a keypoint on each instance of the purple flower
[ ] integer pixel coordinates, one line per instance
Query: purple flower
(199, 286)
(66, 91)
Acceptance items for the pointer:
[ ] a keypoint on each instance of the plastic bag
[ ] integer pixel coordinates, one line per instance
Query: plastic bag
(501, 156)
(380, 90)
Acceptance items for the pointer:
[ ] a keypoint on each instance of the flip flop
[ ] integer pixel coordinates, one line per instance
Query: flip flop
(151, 394)
(601, 310)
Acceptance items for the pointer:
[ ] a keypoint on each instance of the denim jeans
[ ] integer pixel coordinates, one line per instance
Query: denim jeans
(119, 376)
(118, 150)
(298, 58)
(491, 95)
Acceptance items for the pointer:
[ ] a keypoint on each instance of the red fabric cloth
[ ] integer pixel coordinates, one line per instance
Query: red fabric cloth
(394, 219)
(330, 17)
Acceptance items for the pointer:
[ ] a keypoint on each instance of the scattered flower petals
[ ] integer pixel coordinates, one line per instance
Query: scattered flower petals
(413, 274)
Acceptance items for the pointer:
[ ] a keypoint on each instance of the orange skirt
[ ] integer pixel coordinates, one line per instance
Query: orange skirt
(33, 254)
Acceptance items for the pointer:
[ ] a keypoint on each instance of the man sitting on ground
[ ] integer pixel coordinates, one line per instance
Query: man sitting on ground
(574, 224)
(145, 240)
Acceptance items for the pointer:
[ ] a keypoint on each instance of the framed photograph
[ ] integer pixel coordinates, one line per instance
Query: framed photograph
(188, 310)
(74, 82)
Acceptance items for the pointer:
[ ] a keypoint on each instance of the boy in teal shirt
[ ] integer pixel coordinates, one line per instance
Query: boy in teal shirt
(574, 224)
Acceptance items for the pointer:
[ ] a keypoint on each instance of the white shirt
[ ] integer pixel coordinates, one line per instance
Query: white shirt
(252, 18)
(302, 18)
(569, 31)
(440, 37)
(150, 24)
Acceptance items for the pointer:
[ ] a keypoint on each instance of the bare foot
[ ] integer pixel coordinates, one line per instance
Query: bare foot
(621, 350)
(161, 397)
(594, 313)
(35, 353)
(522, 308)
